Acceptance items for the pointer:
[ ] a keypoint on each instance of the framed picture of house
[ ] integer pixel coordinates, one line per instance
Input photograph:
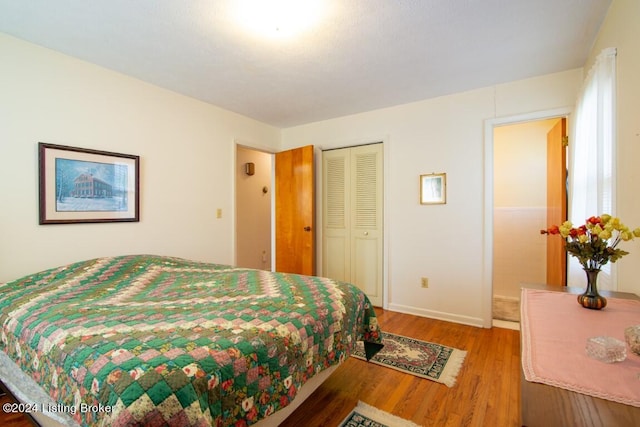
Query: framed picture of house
(433, 188)
(79, 185)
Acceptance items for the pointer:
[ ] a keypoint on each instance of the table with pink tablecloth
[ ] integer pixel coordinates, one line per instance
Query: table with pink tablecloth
(554, 332)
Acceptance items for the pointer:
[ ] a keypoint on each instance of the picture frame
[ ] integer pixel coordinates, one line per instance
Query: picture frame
(80, 185)
(433, 189)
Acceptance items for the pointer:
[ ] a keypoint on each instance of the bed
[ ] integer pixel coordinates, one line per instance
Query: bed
(151, 340)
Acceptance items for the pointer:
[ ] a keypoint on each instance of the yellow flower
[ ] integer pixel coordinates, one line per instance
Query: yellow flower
(626, 235)
(615, 221)
(636, 232)
(596, 229)
(605, 234)
(565, 228)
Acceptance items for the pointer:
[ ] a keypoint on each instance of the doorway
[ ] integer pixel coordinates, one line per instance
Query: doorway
(273, 193)
(253, 208)
(515, 210)
(520, 163)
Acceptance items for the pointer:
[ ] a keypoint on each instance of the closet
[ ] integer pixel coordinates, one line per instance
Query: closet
(352, 234)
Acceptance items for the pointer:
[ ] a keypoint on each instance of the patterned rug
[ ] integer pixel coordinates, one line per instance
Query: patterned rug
(364, 415)
(420, 358)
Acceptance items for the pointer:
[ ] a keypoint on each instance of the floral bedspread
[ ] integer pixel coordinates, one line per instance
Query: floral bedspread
(148, 340)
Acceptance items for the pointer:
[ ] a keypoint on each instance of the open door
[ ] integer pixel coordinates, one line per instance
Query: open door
(295, 211)
(557, 201)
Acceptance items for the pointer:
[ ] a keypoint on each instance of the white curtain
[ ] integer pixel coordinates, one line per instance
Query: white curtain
(592, 157)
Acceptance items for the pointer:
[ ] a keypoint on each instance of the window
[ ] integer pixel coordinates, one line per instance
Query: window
(591, 156)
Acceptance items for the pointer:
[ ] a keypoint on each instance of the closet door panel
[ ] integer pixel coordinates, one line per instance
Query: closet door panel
(335, 257)
(335, 247)
(365, 271)
(366, 214)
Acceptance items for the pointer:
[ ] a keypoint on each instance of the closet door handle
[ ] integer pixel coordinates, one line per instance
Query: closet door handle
(307, 228)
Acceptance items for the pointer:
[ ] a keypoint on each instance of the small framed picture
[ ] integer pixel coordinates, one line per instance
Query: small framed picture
(433, 189)
(79, 185)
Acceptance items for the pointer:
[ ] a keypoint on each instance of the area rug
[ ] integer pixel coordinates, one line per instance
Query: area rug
(364, 415)
(420, 358)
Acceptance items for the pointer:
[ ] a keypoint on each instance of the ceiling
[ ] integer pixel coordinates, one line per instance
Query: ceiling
(360, 55)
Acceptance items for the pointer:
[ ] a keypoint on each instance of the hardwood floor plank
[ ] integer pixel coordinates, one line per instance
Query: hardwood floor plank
(12, 419)
(487, 391)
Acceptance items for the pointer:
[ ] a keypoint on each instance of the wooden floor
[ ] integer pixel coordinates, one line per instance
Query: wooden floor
(487, 392)
(14, 419)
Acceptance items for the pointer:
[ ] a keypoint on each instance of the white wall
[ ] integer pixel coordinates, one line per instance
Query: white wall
(186, 149)
(621, 30)
(446, 134)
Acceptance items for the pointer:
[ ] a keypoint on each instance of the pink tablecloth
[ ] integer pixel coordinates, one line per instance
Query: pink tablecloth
(554, 332)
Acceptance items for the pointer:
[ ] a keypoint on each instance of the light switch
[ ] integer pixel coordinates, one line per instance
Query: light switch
(218, 213)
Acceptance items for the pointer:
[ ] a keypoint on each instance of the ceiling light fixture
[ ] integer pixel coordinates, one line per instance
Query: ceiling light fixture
(278, 18)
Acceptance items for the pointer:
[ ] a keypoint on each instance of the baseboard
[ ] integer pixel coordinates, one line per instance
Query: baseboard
(438, 315)
(505, 324)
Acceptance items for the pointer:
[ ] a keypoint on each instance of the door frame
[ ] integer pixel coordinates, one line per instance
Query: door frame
(489, 125)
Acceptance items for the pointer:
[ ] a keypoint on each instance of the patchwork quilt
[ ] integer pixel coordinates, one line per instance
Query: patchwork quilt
(148, 340)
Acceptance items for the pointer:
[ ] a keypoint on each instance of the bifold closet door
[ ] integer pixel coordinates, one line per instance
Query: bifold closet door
(352, 218)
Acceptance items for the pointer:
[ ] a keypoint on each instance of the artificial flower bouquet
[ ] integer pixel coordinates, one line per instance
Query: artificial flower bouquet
(595, 243)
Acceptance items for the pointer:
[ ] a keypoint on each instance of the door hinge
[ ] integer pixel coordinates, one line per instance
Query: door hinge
(565, 141)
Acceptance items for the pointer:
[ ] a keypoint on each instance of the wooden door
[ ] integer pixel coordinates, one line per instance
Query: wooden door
(556, 201)
(295, 211)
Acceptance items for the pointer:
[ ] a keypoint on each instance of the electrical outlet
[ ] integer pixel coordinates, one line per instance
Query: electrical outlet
(425, 282)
